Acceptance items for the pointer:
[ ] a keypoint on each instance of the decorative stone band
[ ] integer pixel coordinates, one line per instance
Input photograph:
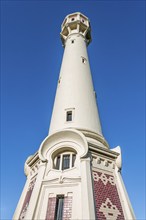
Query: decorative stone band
(103, 178)
(27, 199)
(109, 210)
(67, 208)
(107, 201)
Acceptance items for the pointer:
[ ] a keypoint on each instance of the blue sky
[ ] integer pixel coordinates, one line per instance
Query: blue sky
(31, 55)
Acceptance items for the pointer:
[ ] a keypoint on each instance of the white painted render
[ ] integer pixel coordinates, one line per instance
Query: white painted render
(75, 88)
(126, 205)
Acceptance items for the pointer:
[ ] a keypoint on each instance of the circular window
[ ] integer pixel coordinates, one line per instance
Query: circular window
(72, 19)
(64, 160)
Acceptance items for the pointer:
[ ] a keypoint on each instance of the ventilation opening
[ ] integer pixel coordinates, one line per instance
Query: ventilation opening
(73, 26)
(59, 80)
(65, 31)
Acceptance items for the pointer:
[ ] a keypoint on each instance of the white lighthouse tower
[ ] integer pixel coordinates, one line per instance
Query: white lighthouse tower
(74, 175)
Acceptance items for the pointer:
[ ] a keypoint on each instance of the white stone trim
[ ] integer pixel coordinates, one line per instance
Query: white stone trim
(61, 137)
(88, 208)
(35, 194)
(21, 200)
(125, 202)
(67, 189)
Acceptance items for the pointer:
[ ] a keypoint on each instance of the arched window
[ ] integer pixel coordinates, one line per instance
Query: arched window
(64, 160)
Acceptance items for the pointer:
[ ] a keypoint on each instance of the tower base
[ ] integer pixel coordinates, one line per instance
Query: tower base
(90, 188)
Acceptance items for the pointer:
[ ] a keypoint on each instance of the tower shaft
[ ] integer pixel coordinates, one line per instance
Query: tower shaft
(75, 93)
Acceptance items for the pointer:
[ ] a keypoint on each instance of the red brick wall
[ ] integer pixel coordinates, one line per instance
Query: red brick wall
(27, 199)
(107, 201)
(67, 208)
(50, 215)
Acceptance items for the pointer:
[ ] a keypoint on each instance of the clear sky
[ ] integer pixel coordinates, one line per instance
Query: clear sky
(31, 58)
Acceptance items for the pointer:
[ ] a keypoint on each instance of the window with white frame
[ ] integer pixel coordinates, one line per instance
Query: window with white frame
(64, 160)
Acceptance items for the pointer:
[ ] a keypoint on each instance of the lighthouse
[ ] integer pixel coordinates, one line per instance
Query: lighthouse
(74, 174)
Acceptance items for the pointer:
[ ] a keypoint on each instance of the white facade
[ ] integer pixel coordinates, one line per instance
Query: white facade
(74, 174)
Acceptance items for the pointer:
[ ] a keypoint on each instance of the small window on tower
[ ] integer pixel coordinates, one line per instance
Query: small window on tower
(84, 60)
(72, 41)
(69, 116)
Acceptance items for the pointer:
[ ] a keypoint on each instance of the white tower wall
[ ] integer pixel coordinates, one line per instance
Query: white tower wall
(75, 90)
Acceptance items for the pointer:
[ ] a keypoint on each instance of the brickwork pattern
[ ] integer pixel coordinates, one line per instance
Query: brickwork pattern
(50, 215)
(107, 201)
(27, 199)
(67, 209)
